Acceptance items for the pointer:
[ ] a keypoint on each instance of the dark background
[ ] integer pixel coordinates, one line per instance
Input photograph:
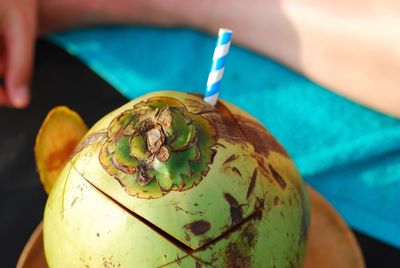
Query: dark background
(60, 79)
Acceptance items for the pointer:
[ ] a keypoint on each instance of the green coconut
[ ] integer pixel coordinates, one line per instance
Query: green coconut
(168, 180)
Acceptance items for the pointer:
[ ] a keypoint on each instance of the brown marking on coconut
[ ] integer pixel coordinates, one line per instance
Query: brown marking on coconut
(220, 144)
(237, 171)
(305, 223)
(198, 106)
(108, 262)
(276, 200)
(235, 258)
(74, 201)
(259, 204)
(84, 264)
(178, 259)
(261, 165)
(187, 237)
(230, 159)
(206, 241)
(224, 122)
(213, 153)
(214, 257)
(300, 197)
(278, 178)
(178, 208)
(235, 209)
(198, 227)
(252, 183)
(89, 140)
(250, 233)
(265, 172)
(305, 210)
(238, 253)
(244, 241)
(236, 128)
(259, 137)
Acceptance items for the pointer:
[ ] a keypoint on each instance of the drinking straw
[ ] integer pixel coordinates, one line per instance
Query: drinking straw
(218, 65)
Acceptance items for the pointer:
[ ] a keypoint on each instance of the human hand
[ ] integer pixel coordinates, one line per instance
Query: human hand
(18, 19)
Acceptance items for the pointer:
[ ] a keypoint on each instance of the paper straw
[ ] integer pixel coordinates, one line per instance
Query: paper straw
(218, 65)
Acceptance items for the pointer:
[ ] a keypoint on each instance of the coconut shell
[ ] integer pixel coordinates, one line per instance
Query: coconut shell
(59, 134)
(225, 191)
(331, 243)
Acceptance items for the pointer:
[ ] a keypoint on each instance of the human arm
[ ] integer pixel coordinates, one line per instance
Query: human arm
(351, 47)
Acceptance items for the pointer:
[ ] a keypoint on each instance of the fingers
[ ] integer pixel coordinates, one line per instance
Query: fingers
(2, 59)
(4, 101)
(18, 39)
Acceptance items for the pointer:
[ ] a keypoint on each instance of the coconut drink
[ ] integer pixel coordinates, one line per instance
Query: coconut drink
(168, 180)
(172, 179)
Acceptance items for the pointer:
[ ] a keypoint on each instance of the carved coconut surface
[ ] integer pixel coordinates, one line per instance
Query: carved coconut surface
(169, 181)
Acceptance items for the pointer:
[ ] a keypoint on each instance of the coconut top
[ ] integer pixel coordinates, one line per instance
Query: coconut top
(158, 146)
(190, 170)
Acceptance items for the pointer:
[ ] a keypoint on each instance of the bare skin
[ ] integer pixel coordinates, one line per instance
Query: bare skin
(17, 33)
(351, 47)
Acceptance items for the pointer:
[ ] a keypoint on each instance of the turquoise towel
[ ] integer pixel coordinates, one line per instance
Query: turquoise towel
(348, 152)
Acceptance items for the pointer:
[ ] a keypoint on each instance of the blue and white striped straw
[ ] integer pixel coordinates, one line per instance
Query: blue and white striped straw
(218, 65)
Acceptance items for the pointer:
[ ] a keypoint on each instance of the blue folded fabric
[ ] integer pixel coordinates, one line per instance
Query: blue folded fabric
(348, 152)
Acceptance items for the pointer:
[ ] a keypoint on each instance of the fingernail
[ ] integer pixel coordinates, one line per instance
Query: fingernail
(20, 96)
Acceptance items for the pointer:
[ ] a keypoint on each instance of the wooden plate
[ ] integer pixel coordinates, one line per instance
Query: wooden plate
(331, 242)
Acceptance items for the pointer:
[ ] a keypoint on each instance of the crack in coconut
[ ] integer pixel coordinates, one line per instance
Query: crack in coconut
(175, 241)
